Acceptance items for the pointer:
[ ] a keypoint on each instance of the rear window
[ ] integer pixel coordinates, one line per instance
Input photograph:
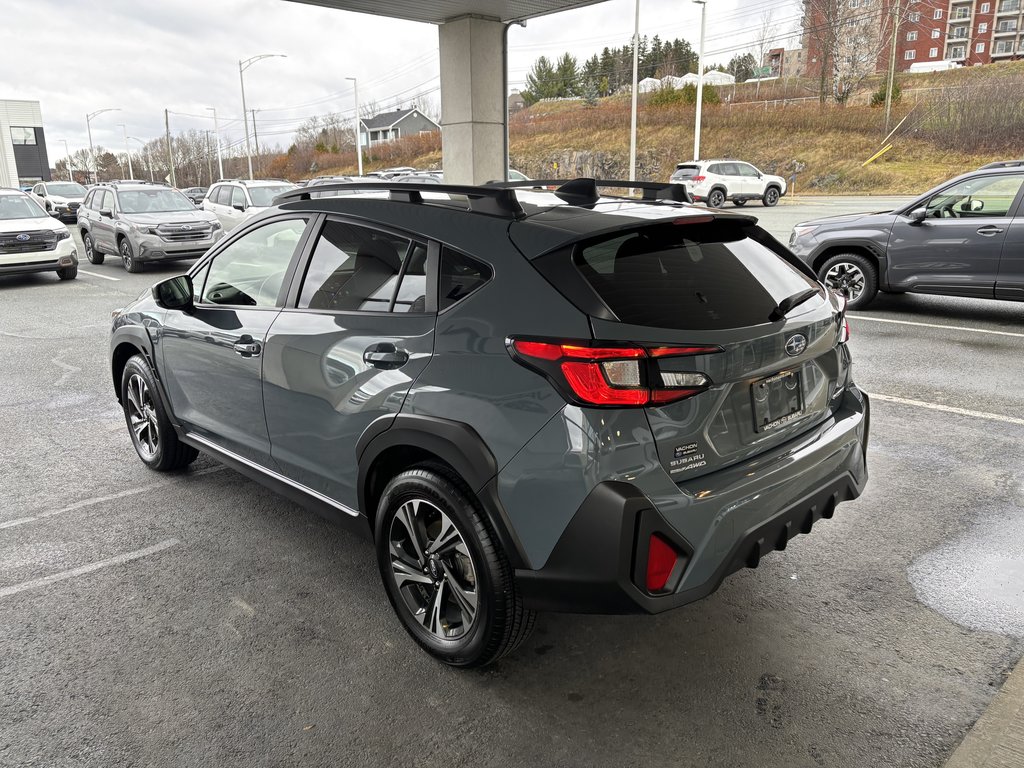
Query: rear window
(688, 276)
(686, 171)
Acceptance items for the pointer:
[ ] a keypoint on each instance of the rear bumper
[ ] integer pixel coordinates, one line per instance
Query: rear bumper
(598, 564)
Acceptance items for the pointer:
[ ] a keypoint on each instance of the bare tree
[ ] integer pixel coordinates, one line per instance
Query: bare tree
(767, 33)
(846, 43)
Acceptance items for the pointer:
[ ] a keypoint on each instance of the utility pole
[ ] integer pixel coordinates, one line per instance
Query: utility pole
(242, 66)
(256, 139)
(170, 152)
(209, 157)
(632, 117)
(895, 10)
(700, 79)
(216, 130)
(88, 128)
(128, 151)
(359, 133)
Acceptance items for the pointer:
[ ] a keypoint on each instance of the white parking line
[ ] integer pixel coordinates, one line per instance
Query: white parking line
(118, 560)
(105, 277)
(947, 409)
(935, 325)
(100, 499)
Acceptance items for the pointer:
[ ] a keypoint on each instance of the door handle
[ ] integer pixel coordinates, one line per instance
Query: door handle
(990, 230)
(385, 355)
(247, 346)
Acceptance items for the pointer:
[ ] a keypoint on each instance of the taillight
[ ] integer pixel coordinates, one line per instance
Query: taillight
(844, 331)
(698, 179)
(661, 561)
(612, 375)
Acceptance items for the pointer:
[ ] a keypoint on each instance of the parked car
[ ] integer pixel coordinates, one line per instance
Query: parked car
(514, 175)
(233, 201)
(143, 223)
(420, 177)
(30, 239)
(195, 194)
(965, 237)
(715, 181)
(676, 403)
(60, 197)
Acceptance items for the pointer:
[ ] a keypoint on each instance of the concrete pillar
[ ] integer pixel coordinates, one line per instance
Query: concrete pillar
(473, 110)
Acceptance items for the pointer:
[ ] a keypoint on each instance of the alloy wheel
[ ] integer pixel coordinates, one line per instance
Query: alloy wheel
(772, 196)
(126, 255)
(433, 569)
(142, 417)
(846, 279)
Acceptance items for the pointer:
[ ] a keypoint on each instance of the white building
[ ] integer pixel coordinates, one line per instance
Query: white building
(23, 158)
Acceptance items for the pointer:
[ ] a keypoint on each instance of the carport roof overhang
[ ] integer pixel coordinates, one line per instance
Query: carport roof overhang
(440, 11)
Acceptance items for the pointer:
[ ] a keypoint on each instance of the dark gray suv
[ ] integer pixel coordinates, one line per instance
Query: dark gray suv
(528, 400)
(963, 238)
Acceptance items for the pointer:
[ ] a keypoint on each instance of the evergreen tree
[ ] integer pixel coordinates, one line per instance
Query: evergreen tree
(541, 83)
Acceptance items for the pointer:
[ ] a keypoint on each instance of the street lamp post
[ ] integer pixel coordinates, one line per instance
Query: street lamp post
(128, 150)
(88, 129)
(242, 66)
(67, 162)
(359, 133)
(700, 79)
(632, 119)
(145, 155)
(216, 131)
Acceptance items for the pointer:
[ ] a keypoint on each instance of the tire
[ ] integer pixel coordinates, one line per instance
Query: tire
(131, 264)
(851, 275)
(93, 256)
(770, 197)
(740, 202)
(68, 273)
(716, 198)
(154, 438)
(461, 607)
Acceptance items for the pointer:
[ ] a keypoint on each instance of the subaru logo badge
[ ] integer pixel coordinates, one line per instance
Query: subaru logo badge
(187, 227)
(23, 237)
(795, 345)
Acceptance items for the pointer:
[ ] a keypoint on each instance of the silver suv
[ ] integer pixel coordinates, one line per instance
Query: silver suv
(143, 222)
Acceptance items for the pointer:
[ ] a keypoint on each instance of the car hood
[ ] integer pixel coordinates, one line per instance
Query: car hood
(58, 200)
(176, 217)
(847, 219)
(31, 225)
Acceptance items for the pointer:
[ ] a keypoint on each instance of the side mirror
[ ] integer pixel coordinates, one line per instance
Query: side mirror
(175, 293)
(238, 207)
(977, 205)
(106, 212)
(918, 215)
(55, 214)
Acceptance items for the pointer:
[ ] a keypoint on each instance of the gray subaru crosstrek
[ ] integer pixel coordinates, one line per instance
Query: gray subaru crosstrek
(528, 401)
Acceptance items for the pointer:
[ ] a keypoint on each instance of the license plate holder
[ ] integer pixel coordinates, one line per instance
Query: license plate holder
(776, 400)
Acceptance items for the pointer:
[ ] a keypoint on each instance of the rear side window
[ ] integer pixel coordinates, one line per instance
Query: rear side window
(354, 268)
(686, 172)
(460, 276)
(688, 276)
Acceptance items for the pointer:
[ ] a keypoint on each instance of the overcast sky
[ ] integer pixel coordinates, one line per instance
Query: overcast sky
(143, 56)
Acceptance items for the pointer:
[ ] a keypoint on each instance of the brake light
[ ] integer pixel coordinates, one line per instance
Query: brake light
(607, 375)
(661, 561)
(698, 179)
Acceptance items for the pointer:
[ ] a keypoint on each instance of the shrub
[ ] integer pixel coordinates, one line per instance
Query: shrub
(878, 97)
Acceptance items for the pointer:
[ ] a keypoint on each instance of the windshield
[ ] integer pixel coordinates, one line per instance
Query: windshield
(66, 190)
(19, 207)
(264, 196)
(686, 172)
(153, 201)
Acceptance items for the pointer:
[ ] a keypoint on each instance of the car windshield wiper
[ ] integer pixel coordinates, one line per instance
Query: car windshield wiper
(787, 304)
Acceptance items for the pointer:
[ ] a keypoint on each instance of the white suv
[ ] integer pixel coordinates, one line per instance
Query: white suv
(233, 201)
(715, 181)
(30, 239)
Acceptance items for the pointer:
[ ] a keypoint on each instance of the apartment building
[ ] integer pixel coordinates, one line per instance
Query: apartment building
(967, 32)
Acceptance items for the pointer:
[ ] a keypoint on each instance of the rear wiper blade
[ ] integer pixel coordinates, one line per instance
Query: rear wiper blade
(787, 304)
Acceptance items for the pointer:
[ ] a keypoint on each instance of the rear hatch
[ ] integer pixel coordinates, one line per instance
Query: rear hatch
(715, 298)
(684, 172)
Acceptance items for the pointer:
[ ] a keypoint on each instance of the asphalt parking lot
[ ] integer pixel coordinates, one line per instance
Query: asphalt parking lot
(199, 619)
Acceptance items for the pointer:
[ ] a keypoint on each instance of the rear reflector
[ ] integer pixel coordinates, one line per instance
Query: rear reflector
(606, 375)
(661, 560)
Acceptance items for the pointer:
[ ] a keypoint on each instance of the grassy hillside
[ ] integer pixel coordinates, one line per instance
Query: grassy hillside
(955, 121)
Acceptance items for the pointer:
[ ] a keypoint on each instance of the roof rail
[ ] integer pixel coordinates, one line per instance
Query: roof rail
(499, 198)
(493, 201)
(583, 191)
